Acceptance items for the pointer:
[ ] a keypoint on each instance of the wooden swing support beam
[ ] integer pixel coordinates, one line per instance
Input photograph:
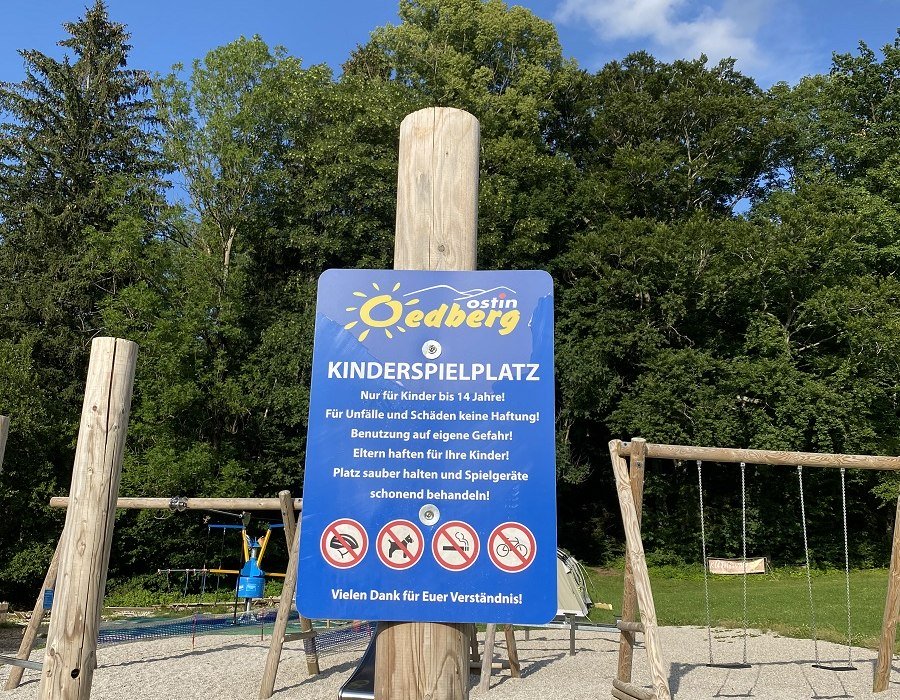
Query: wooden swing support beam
(638, 594)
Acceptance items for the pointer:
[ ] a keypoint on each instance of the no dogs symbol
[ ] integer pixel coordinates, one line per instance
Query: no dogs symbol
(344, 543)
(455, 546)
(400, 544)
(512, 547)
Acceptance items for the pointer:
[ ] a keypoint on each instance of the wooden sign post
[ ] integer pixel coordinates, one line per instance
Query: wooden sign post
(71, 654)
(437, 221)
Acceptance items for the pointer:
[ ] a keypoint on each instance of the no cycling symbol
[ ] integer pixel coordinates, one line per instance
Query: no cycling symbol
(344, 543)
(455, 545)
(512, 547)
(400, 544)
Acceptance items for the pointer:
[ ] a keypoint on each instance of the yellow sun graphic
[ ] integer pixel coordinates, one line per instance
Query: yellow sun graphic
(393, 311)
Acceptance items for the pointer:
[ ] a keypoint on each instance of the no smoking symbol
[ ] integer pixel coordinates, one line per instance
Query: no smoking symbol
(344, 543)
(455, 545)
(512, 547)
(400, 544)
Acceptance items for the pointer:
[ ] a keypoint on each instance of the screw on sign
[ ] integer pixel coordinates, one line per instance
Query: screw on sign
(512, 547)
(344, 543)
(400, 544)
(455, 545)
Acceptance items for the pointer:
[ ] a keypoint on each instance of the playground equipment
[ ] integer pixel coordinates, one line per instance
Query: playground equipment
(812, 609)
(712, 663)
(638, 591)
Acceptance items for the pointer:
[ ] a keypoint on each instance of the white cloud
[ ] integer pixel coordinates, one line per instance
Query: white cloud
(676, 28)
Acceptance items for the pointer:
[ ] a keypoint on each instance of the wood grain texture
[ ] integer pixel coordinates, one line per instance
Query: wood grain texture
(627, 691)
(512, 652)
(635, 549)
(773, 457)
(34, 624)
(487, 659)
(236, 504)
(437, 191)
(629, 597)
(276, 644)
(70, 656)
(891, 611)
(437, 222)
(4, 434)
(418, 661)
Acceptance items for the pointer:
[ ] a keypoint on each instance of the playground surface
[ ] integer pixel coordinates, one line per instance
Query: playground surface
(230, 667)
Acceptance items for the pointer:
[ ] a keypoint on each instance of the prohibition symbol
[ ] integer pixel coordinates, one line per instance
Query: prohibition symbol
(400, 544)
(344, 543)
(455, 545)
(512, 547)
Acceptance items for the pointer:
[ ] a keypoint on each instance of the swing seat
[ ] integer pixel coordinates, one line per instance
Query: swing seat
(734, 664)
(824, 667)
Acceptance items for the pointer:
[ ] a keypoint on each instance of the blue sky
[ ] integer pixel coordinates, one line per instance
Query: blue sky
(772, 41)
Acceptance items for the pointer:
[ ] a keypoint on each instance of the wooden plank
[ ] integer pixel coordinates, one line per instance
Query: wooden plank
(629, 597)
(235, 504)
(273, 657)
(771, 457)
(644, 592)
(71, 653)
(891, 611)
(34, 624)
(436, 229)
(487, 658)
(19, 663)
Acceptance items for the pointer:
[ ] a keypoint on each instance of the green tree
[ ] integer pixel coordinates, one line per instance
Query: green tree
(79, 195)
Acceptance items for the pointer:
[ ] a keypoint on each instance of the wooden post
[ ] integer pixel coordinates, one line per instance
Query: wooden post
(891, 611)
(643, 591)
(34, 624)
(512, 652)
(273, 658)
(487, 659)
(437, 220)
(629, 597)
(71, 653)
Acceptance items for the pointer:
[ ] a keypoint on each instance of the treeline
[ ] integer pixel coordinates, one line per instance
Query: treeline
(725, 260)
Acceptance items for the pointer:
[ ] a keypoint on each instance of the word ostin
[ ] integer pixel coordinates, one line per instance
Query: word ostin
(452, 316)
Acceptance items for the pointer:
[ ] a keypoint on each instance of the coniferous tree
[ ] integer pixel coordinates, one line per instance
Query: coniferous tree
(79, 190)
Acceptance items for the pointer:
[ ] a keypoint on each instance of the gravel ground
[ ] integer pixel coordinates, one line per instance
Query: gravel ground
(230, 667)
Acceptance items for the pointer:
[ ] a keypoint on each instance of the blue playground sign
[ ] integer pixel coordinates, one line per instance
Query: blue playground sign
(430, 488)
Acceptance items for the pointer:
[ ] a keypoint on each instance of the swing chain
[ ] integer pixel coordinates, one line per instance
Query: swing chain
(705, 575)
(744, 548)
(812, 608)
(846, 566)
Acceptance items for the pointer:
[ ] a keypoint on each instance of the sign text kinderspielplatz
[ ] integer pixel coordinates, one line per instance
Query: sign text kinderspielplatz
(430, 487)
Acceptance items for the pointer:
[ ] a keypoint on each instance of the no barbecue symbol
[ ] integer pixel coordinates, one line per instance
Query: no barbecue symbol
(344, 543)
(455, 545)
(400, 544)
(512, 547)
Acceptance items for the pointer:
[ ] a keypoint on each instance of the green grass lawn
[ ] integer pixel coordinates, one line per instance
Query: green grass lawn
(777, 601)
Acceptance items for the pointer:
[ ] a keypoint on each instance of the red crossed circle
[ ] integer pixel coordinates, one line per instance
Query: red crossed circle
(390, 539)
(455, 545)
(512, 547)
(338, 540)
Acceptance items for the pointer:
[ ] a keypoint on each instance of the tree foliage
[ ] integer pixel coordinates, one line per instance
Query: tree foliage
(725, 261)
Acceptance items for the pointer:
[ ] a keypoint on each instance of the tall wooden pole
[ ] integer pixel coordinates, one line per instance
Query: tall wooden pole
(437, 221)
(71, 654)
(891, 610)
(629, 597)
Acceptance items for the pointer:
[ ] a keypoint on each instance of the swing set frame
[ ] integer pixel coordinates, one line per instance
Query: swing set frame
(638, 593)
